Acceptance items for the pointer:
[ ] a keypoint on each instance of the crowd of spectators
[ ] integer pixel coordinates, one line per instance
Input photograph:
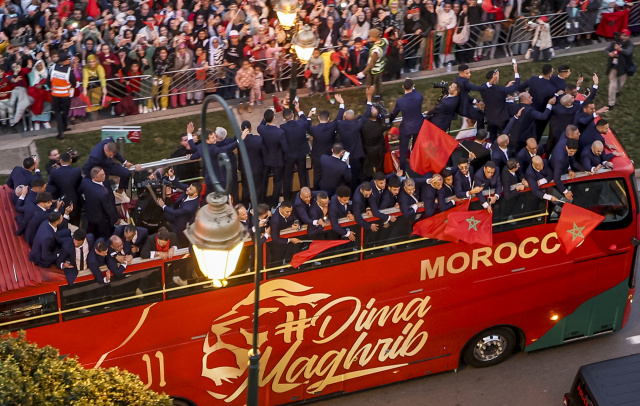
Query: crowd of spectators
(350, 179)
(150, 55)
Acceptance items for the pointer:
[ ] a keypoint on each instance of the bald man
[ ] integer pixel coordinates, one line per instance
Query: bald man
(302, 205)
(527, 153)
(530, 117)
(500, 152)
(594, 158)
(537, 175)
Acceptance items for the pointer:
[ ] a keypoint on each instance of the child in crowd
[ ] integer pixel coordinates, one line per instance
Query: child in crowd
(258, 82)
(245, 79)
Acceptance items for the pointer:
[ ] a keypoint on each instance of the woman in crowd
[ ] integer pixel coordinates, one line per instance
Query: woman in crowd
(94, 83)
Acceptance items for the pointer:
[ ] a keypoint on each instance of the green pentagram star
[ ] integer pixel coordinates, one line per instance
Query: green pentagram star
(430, 150)
(473, 223)
(575, 232)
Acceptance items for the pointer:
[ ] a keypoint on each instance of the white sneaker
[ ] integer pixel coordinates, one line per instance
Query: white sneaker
(179, 281)
(46, 125)
(36, 126)
(145, 110)
(113, 110)
(140, 109)
(163, 109)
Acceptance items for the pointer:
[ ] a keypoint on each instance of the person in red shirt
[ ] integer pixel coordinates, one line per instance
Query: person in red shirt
(6, 86)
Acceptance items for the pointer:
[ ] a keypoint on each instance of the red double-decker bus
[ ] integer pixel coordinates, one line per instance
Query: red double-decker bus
(388, 307)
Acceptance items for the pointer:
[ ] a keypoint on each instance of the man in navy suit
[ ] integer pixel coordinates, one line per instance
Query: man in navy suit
(228, 146)
(494, 97)
(528, 118)
(565, 164)
(349, 132)
(44, 201)
(319, 216)
(335, 172)
(463, 183)
(282, 249)
(410, 105)
(298, 147)
(390, 195)
(360, 206)
(102, 155)
(429, 194)
(100, 207)
(99, 257)
(593, 158)
(45, 250)
(23, 176)
(275, 144)
(571, 132)
(445, 111)
(489, 178)
(324, 136)
(500, 152)
(133, 238)
(466, 106)
(594, 133)
(27, 201)
(184, 209)
(41, 216)
(302, 205)
(446, 195)
(255, 153)
(378, 189)
(541, 89)
(512, 184)
(338, 209)
(525, 155)
(74, 255)
(66, 181)
(585, 119)
(538, 174)
(409, 202)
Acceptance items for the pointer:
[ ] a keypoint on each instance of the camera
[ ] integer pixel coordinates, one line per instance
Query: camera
(157, 185)
(444, 86)
(383, 114)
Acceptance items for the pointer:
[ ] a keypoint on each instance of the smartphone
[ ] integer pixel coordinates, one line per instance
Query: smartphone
(313, 110)
(513, 61)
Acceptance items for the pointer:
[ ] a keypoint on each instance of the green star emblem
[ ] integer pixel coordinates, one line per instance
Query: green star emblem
(430, 150)
(473, 223)
(575, 232)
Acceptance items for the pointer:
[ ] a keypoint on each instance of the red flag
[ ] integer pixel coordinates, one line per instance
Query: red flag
(315, 248)
(575, 224)
(471, 226)
(277, 105)
(433, 227)
(65, 8)
(610, 23)
(432, 149)
(92, 9)
(106, 101)
(83, 97)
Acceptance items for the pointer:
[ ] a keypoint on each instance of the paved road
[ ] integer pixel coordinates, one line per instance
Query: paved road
(539, 378)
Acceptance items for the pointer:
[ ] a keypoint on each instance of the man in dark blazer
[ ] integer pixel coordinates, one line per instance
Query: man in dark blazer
(46, 244)
(184, 209)
(593, 158)
(319, 216)
(494, 97)
(541, 90)
(529, 117)
(410, 105)
(378, 189)
(335, 172)
(512, 184)
(275, 144)
(594, 133)
(445, 111)
(161, 245)
(429, 194)
(102, 155)
(409, 202)
(98, 257)
(44, 203)
(463, 183)
(446, 195)
(282, 249)
(66, 181)
(74, 254)
(489, 178)
(538, 174)
(133, 238)
(338, 209)
(302, 204)
(479, 149)
(390, 195)
(349, 132)
(466, 106)
(360, 206)
(23, 176)
(295, 130)
(27, 204)
(527, 153)
(565, 164)
(255, 153)
(500, 152)
(571, 132)
(40, 216)
(100, 207)
(584, 119)
(324, 136)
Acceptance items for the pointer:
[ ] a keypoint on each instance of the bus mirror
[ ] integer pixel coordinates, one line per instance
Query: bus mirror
(635, 242)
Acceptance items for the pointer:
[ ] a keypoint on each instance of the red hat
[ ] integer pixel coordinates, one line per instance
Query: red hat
(543, 18)
(394, 131)
(331, 3)
(625, 32)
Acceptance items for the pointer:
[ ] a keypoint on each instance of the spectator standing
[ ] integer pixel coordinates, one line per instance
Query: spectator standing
(620, 64)
(61, 81)
(245, 79)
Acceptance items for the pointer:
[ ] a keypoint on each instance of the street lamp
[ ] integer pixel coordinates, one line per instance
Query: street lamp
(304, 41)
(217, 236)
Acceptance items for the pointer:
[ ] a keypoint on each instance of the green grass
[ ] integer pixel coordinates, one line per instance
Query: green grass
(160, 138)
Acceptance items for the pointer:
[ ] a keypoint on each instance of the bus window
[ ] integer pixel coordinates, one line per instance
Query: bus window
(122, 292)
(395, 237)
(29, 307)
(320, 263)
(607, 197)
(524, 210)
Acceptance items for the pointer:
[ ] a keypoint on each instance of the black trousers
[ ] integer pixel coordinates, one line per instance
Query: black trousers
(277, 172)
(404, 149)
(61, 106)
(356, 172)
(300, 165)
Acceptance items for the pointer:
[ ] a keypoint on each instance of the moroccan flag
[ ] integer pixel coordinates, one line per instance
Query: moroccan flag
(471, 226)
(575, 224)
(65, 8)
(315, 248)
(92, 9)
(432, 149)
(611, 23)
(433, 227)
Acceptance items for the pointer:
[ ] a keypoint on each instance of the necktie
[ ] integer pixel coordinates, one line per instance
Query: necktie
(81, 259)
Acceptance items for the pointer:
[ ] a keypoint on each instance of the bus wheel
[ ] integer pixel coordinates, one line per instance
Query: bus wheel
(179, 401)
(489, 347)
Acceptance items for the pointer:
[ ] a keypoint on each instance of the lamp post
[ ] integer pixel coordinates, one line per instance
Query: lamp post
(217, 236)
(304, 40)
